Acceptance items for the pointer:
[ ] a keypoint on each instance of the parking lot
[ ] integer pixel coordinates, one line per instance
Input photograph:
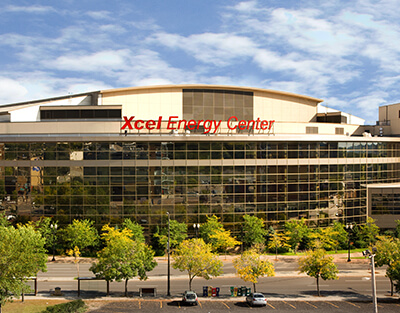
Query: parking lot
(147, 305)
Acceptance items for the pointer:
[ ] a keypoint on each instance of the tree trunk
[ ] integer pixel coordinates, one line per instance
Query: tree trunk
(190, 283)
(391, 287)
(319, 294)
(254, 287)
(276, 253)
(126, 287)
(0, 308)
(108, 288)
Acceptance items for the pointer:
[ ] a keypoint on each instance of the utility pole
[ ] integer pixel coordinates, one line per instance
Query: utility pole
(169, 262)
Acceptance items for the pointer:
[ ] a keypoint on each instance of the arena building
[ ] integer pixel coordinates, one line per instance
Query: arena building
(195, 151)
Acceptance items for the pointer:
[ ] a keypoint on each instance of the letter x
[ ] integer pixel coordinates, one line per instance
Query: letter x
(127, 122)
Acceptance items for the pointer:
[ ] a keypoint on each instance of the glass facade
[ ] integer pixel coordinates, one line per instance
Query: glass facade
(275, 180)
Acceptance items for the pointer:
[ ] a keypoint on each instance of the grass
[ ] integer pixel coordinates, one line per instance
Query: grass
(29, 306)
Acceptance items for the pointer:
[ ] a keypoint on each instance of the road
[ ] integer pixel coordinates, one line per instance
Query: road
(354, 281)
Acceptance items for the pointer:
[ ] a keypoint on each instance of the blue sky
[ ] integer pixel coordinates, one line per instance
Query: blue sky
(345, 52)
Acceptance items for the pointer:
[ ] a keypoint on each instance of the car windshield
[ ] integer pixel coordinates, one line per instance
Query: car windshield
(190, 296)
(258, 296)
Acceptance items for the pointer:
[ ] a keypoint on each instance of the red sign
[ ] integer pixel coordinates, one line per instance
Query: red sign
(210, 126)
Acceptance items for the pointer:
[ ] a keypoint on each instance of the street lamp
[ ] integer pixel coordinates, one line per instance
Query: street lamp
(196, 228)
(371, 255)
(54, 229)
(169, 262)
(349, 228)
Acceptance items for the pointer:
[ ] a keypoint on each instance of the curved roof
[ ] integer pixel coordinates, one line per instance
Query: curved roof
(204, 86)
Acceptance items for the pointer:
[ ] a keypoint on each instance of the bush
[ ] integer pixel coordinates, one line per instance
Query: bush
(76, 306)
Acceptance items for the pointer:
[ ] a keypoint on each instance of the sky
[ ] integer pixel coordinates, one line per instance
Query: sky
(345, 52)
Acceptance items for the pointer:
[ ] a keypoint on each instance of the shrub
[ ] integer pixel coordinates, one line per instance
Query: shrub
(76, 306)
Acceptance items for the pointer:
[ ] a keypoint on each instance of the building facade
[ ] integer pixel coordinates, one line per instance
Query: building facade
(192, 151)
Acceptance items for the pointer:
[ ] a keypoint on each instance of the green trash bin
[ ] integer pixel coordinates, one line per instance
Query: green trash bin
(244, 290)
(239, 292)
(232, 291)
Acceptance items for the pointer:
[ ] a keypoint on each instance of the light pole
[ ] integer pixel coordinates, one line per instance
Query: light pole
(169, 261)
(349, 228)
(371, 255)
(54, 229)
(196, 228)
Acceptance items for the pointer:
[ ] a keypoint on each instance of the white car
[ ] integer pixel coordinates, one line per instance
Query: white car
(256, 299)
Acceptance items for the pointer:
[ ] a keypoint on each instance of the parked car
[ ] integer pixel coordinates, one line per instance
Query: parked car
(190, 297)
(256, 299)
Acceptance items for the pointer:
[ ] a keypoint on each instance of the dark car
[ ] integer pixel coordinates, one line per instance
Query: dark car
(190, 297)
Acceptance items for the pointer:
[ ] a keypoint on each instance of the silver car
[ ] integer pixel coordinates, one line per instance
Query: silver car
(256, 299)
(190, 297)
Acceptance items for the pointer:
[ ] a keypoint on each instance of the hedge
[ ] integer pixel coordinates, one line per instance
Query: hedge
(76, 306)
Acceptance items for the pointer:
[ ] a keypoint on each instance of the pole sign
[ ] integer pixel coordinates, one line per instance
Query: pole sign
(210, 126)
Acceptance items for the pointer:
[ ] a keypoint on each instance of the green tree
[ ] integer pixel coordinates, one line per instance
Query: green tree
(209, 228)
(43, 227)
(122, 258)
(22, 255)
(250, 267)
(81, 234)
(369, 231)
(341, 236)
(135, 228)
(297, 231)
(394, 272)
(318, 265)
(177, 234)
(397, 229)
(196, 258)
(388, 253)
(254, 231)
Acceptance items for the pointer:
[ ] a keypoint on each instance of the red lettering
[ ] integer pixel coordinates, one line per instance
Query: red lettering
(264, 125)
(184, 122)
(150, 124)
(271, 123)
(171, 122)
(137, 124)
(159, 122)
(192, 124)
(127, 122)
(242, 124)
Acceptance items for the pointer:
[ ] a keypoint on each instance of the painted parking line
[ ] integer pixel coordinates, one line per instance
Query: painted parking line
(271, 306)
(311, 304)
(357, 306)
(199, 303)
(226, 305)
(140, 304)
(289, 304)
(331, 304)
(160, 304)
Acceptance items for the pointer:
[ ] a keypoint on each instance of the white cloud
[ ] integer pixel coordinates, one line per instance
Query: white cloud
(40, 9)
(11, 90)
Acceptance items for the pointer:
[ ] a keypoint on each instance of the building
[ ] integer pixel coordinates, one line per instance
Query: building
(192, 151)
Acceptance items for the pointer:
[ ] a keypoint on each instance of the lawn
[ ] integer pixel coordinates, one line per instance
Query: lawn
(29, 306)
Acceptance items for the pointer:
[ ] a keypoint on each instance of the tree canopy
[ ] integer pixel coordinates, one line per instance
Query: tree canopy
(250, 267)
(81, 234)
(196, 258)
(254, 231)
(317, 264)
(22, 256)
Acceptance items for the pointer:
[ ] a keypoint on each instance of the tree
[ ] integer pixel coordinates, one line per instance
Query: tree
(177, 233)
(388, 253)
(81, 234)
(395, 274)
(318, 265)
(250, 267)
(297, 231)
(277, 241)
(326, 238)
(135, 228)
(369, 231)
(254, 231)
(196, 258)
(223, 240)
(122, 258)
(209, 228)
(22, 256)
(43, 227)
